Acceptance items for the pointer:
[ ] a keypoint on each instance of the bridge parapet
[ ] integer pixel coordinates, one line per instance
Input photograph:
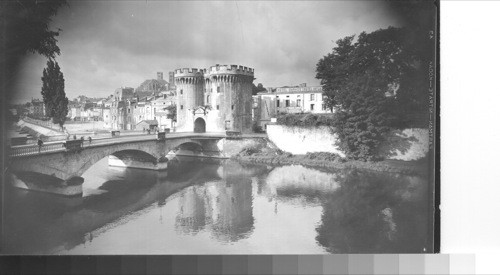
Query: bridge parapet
(68, 164)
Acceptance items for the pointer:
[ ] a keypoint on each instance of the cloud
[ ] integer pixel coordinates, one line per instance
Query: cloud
(109, 44)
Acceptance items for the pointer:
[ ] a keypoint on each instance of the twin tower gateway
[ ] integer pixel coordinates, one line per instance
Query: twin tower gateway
(215, 99)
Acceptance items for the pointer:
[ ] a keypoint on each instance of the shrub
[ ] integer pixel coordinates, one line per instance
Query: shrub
(305, 120)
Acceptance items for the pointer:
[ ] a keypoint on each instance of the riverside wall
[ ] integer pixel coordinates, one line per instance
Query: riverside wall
(407, 144)
(300, 140)
(39, 129)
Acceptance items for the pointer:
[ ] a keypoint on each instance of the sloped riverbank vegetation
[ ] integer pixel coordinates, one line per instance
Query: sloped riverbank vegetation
(267, 153)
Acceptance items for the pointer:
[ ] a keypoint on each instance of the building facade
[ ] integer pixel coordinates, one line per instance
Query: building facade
(37, 108)
(215, 99)
(287, 100)
(301, 99)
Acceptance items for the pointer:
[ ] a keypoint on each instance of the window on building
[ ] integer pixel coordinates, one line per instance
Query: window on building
(217, 107)
(208, 99)
(312, 107)
(181, 91)
(164, 96)
(218, 89)
(298, 102)
(182, 107)
(287, 103)
(129, 110)
(278, 103)
(312, 97)
(154, 110)
(232, 107)
(323, 107)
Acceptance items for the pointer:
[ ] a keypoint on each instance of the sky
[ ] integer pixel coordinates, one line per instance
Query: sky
(110, 44)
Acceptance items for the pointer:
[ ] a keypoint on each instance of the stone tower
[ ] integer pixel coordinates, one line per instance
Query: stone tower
(189, 87)
(228, 90)
(214, 100)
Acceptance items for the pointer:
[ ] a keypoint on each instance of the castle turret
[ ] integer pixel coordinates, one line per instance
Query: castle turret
(189, 87)
(228, 90)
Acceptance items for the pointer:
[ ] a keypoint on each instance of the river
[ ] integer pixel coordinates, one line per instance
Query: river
(223, 208)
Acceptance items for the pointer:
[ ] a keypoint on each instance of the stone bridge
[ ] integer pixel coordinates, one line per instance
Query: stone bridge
(62, 170)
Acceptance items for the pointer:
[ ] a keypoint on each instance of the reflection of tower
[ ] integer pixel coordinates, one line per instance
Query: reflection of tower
(231, 204)
(189, 87)
(191, 216)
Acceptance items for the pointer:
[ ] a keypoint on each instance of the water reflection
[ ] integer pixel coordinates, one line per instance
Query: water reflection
(376, 213)
(226, 207)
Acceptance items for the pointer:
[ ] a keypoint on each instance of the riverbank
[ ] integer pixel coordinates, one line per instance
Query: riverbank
(276, 157)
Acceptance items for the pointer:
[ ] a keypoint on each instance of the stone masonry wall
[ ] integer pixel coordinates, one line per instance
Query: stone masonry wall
(407, 145)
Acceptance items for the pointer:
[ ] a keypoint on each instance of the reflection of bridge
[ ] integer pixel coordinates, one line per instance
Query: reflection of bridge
(61, 169)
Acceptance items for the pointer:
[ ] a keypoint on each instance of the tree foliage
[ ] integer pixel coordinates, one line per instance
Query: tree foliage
(373, 84)
(258, 88)
(25, 27)
(54, 97)
(172, 112)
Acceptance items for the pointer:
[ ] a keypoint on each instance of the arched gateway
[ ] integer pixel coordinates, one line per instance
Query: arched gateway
(199, 125)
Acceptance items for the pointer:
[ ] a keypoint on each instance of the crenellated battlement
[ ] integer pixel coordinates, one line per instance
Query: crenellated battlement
(229, 69)
(217, 73)
(192, 72)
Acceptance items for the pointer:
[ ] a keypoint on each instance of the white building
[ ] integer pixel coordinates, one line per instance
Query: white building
(301, 99)
(287, 100)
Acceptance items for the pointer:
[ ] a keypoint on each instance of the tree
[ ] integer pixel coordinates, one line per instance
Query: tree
(258, 88)
(364, 81)
(172, 112)
(54, 97)
(26, 26)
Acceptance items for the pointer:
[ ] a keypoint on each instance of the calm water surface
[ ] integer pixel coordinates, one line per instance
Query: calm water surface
(223, 208)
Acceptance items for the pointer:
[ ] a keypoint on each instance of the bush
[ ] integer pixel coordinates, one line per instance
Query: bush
(306, 120)
(257, 129)
(324, 156)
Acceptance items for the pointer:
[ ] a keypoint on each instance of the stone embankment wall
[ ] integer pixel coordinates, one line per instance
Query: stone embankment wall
(40, 129)
(300, 141)
(408, 144)
(87, 126)
(37, 130)
(232, 147)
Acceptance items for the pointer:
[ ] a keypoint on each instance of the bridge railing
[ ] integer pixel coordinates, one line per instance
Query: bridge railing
(35, 149)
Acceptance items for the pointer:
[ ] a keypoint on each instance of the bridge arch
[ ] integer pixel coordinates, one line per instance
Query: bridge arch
(68, 167)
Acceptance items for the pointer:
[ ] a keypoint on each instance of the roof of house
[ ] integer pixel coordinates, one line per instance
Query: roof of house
(150, 122)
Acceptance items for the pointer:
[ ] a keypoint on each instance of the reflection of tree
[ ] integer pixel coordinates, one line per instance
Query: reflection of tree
(375, 213)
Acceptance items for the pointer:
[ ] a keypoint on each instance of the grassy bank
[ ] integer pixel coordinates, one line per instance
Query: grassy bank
(276, 157)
